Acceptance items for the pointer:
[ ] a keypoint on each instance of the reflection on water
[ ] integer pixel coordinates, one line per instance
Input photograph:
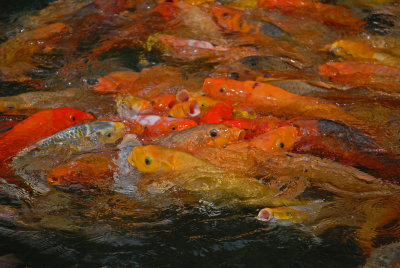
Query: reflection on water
(74, 200)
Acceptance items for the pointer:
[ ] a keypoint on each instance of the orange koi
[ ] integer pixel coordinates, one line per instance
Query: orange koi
(130, 104)
(353, 49)
(164, 103)
(40, 125)
(362, 74)
(221, 111)
(187, 109)
(235, 20)
(208, 135)
(87, 170)
(231, 20)
(270, 99)
(277, 140)
(120, 81)
(328, 14)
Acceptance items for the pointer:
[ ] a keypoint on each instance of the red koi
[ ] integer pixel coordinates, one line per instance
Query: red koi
(221, 111)
(257, 126)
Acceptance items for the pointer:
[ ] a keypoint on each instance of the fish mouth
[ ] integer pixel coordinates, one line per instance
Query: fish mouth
(265, 214)
(194, 109)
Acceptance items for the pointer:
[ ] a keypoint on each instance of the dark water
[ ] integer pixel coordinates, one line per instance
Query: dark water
(95, 229)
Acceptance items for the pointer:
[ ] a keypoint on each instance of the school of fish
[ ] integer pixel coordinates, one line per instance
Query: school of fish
(241, 103)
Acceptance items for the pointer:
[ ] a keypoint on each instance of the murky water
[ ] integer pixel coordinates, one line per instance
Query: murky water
(202, 217)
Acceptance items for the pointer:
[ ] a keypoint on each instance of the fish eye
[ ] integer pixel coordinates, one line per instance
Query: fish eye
(173, 127)
(108, 134)
(222, 90)
(225, 14)
(72, 117)
(203, 105)
(213, 132)
(10, 105)
(148, 160)
(281, 145)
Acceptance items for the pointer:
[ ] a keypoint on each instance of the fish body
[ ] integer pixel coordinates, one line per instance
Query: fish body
(119, 81)
(79, 138)
(206, 135)
(361, 51)
(221, 111)
(38, 126)
(93, 169)
(277, 140)
(131, 104)
(153, 158)
(328, 14)
(273, 100)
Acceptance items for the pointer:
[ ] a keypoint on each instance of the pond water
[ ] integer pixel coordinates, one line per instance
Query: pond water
(319, 150)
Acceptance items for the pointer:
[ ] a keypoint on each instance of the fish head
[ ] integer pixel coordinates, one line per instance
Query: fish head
(165, 103)
(228, 18)
(111, 133)
(280, 139)
(62, 118)
(185, 109)
(150, 159)
(217, 135)
(225, 89)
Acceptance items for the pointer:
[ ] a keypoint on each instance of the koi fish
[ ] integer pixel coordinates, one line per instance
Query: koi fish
(376, 75)
(94, 169)
(273, 100)
(164, 103)
(119, 81)
(358, 50)
(16, 53)
(155, 125)
(234, 20)
(346, 145)
(256, 126)
(86, 137)
(221, 111)
(38, 126)
(276, 140)
(187, 109)
(130, 105)
(208, 135)
(282, 213)
(153, 158)
(328, 14)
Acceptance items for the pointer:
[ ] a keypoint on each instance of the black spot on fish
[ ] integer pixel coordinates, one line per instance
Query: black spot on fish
(92, 81)
(255, 85)
(345, 134)
(272, 30)
(259, 63)
(224, 15)
(281, 145)
(222, 90)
